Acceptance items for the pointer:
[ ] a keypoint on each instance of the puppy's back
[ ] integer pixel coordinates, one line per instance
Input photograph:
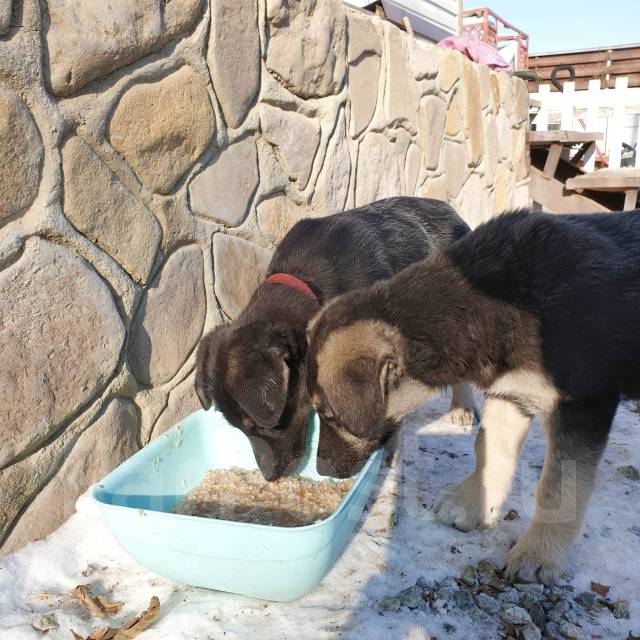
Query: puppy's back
(355, 248)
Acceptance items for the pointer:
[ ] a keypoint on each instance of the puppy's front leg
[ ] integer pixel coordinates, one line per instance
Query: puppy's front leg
(576, 437)
(463, 408)
(477, 499)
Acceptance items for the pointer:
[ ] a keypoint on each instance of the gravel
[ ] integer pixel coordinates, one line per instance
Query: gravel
(571, 631)
(629, 472)
(491, 605)
(523, 611)
(511, 614)
(587, 599)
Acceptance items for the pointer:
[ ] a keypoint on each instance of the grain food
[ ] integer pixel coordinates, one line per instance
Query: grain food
(245, 496)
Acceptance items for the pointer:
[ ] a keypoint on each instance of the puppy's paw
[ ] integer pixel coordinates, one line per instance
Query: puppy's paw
(462, 416)
(537, 556)
(460, 506)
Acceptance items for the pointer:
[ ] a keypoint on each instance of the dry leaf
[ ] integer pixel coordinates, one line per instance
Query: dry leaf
(96, 605)
(83, 593)
(130, 629)
(600, 589)
(112, 608)
(137, 625)
(102, 633)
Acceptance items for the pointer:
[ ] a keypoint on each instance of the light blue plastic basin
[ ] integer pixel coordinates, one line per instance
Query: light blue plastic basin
(273, 563)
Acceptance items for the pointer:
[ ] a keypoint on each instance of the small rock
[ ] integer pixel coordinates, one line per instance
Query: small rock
(45, 623)
(469, 575)
(411, 597)
(487, 572)
(512, 614)
(534, 589)
(512, 514)
(446, 593)
(533, 606)
(629, 472)
(530, 632)
(389, 603)
(477, 615)
(463, 599)
(571, 631)
(571, 616)
(421, 582)
(488, 604)
(620, 609)
(586, 599)
(448, 583)
(512, 596)
(635, 530)
(449, 628)
(558, 611)
(552, 631)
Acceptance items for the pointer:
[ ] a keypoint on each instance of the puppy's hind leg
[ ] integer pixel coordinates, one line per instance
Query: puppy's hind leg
(477, 499)
(463, 406)
(576, 437)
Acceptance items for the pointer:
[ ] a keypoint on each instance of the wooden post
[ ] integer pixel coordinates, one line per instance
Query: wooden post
(592, 122)
(616, 126)
(568, 103)
(630, 199)
(542, 118)
(551, 164)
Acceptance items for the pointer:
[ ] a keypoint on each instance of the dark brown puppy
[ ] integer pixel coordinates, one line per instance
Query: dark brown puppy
(253, 369)
(542, 312)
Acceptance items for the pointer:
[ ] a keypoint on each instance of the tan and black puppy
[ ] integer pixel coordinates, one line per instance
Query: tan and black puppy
(253, 369)
(539, 310)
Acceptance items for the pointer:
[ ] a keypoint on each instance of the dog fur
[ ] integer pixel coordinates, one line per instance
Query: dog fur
(253, 369)
(539, 310)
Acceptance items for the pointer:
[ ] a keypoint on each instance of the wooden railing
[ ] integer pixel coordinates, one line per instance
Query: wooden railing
(490, 26)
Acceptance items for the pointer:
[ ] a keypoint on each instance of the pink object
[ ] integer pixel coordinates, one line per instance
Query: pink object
(478, 51)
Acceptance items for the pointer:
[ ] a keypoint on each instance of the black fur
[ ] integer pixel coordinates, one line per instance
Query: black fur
(556, 293)
(254, 369)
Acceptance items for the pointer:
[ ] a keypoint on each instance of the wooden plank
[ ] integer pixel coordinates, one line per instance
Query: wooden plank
(567, 58)
(581, 70)
(607, 180)
(544, 138)
(551, 163)
(624, 54)
(624, 67)
(552, 195)
(630, 199)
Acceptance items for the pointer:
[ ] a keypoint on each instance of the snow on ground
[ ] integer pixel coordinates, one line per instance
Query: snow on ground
(380, 560)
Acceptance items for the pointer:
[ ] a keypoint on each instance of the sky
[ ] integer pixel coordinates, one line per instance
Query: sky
(561, 25)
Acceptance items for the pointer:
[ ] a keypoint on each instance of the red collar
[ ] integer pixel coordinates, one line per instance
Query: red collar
(293, 283)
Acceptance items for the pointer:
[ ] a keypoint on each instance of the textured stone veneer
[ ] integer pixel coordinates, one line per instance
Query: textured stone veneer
(151, 155)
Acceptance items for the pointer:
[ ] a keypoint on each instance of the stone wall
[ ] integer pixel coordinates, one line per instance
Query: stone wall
(151, 154)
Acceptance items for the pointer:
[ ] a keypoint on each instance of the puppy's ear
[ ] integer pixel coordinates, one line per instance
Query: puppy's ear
(357, 368)
(263, 373)
(365, 384)
(207, 364)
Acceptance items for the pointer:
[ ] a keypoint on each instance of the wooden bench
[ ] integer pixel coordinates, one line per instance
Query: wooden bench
(556, 140)
(625, 181)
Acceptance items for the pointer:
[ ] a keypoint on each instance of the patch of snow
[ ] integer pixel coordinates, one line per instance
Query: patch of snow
(379, 561)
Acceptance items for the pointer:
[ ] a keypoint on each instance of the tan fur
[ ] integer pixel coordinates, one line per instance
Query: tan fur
(407, 396)
(365, 339)
(531, 388)
(463, 408)
(562, 496)
(477, 499)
